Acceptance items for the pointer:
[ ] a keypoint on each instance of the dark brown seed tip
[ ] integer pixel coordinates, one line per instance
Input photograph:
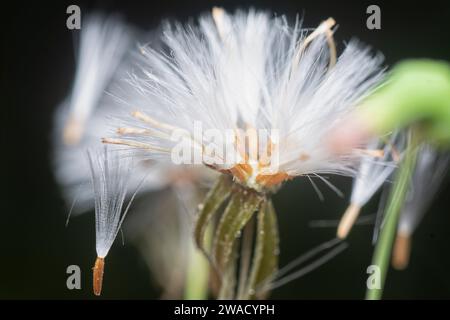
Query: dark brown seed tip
(401, 251)
(98, 275)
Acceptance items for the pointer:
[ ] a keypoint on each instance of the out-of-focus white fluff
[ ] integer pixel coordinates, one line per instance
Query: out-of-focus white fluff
(430, 171)
(81, 119)
(102, 46)
(241, 73)
(107, 64)
(374, 171)
(71, 166)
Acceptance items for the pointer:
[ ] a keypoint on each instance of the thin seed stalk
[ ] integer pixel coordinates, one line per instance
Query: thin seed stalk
(383, 249)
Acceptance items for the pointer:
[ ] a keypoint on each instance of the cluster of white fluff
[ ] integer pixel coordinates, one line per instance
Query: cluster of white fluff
(102, 47)
(103, 59)
(245, 70)
(81, 120)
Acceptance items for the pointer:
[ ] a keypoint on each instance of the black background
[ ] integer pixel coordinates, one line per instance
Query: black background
(37, 73)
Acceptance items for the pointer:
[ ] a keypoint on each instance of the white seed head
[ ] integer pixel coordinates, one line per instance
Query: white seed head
(249, 70)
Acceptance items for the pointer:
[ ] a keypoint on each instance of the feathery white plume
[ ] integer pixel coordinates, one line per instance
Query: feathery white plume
(103, 44)
(110, 187)
(110, 173)
(248, 71)
(430, 171)
(373, 171)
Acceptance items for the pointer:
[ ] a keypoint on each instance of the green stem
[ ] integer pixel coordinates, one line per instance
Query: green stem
(397, 196)
(197, 274)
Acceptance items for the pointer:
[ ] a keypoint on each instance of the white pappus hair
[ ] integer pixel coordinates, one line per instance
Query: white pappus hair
(110, 174)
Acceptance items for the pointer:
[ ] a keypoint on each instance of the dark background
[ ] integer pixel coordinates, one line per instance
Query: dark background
(37, 73)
